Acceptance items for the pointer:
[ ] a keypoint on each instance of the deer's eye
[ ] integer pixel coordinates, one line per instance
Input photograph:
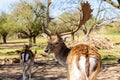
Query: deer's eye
(56, 43)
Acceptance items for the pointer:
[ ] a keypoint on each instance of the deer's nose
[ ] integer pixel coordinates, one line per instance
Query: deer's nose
(46, 50)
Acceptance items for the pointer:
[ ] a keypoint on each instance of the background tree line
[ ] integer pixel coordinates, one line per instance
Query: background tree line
(29, 18)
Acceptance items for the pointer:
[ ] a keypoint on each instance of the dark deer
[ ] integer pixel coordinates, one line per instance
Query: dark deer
(83, 61)
(26, 61)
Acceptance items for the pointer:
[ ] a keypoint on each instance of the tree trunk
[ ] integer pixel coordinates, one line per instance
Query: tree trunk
(34, 39)
(30, 41)
(4, 39)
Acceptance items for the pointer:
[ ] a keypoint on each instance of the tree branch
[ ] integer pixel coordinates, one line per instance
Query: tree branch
(113, 3)
(85, 15)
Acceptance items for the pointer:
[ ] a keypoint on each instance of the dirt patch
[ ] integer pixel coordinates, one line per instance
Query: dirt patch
(51, 70)
(42, 70)
(110, 72)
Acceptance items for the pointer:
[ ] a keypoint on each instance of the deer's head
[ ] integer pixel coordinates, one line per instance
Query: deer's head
(54, 44)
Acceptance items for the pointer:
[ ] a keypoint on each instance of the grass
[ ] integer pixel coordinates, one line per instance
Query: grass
(112, 32)
(107, 55)
(10, 53)
(110, 56)
(113, 38)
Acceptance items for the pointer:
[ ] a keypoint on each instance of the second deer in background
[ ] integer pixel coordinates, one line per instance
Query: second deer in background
(26, 61)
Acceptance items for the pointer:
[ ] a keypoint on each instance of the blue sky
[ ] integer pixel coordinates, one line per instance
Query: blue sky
(5, 5)
(57, 7)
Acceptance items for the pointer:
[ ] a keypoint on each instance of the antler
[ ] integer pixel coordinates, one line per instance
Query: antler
(84, 16)
(48, 19)
(86, 13)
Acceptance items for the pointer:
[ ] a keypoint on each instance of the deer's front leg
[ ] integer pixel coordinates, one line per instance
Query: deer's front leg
(23, 71)
(24, 75)
(29, 73)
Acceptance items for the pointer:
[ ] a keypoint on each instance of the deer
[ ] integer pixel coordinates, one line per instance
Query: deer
(83, 61)
(26, 61)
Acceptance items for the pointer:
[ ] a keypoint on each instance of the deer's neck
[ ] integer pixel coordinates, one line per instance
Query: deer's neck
(61, 54)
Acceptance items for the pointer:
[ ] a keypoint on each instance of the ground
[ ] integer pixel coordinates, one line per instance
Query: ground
(45, 69)
(50, 70)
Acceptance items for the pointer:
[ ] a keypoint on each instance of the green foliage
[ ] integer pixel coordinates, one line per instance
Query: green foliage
(3, 19)
(5, 25)
(29, 18)
(113, 33)
(112, 29)
(66, 23)
(110, 55)
(10, 53)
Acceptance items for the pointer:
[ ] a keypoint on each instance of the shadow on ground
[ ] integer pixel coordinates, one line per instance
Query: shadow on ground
(42, 70)
(51, 70)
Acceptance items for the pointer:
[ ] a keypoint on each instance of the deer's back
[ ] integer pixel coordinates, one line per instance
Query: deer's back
(83, 50)
(82, 61)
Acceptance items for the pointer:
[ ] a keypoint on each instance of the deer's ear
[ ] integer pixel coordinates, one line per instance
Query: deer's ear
(64, 39)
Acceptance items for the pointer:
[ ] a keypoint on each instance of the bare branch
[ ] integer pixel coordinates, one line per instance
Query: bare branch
(113, 3)
(85, 16)
(47, 13)
(96, 22)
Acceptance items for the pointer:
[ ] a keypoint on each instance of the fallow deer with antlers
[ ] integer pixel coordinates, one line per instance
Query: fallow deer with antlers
(83, 61)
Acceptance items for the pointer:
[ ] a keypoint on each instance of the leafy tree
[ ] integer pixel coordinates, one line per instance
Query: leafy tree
(30, 17)
(5, 26)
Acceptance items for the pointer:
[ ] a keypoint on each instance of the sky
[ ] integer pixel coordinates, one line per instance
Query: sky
(5, 5)
(57, 7)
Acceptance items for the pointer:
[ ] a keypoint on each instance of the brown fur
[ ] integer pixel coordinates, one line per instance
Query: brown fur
(87, 51)
(66, 55)
(26, 65)
(58, 47)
